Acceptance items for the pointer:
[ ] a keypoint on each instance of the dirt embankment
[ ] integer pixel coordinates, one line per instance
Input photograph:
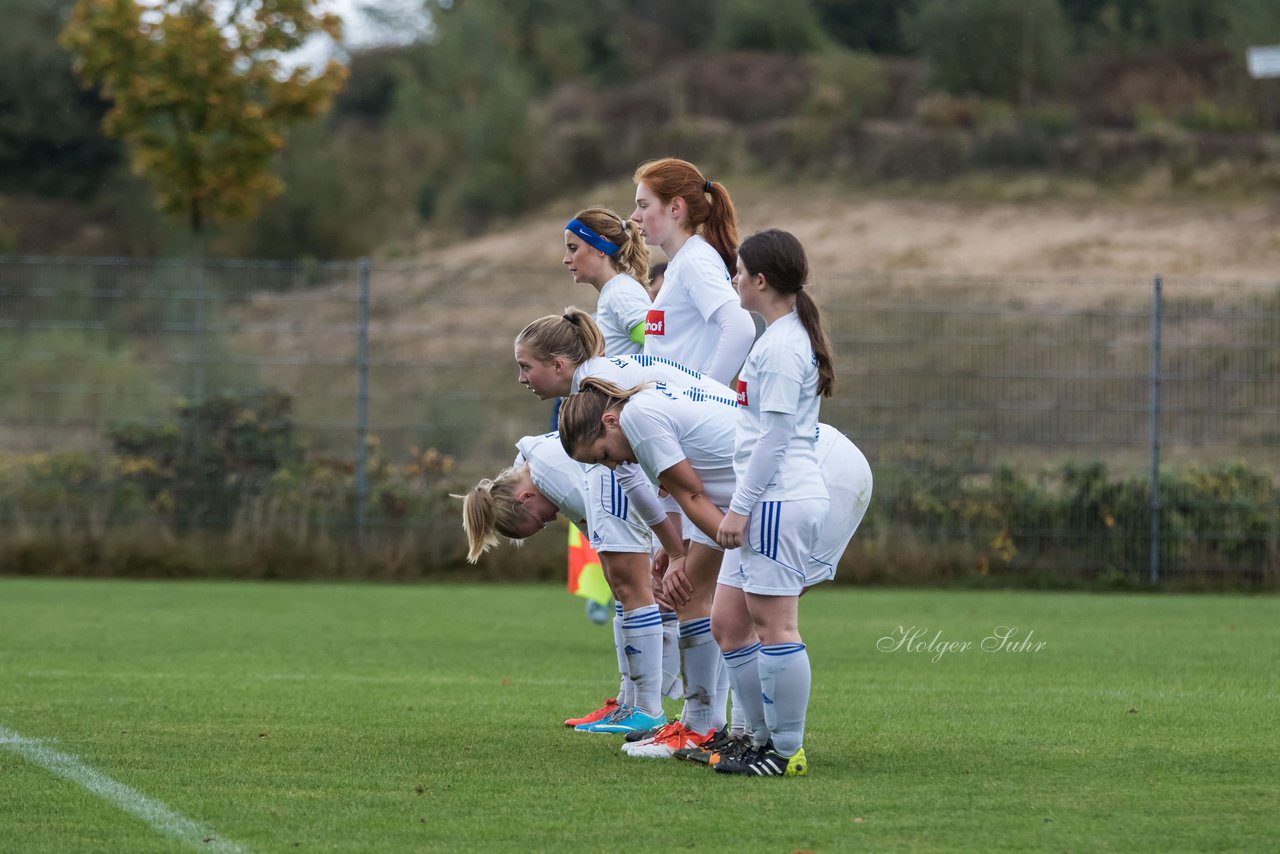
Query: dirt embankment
(1090, 239)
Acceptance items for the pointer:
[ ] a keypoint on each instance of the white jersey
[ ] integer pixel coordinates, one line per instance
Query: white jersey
(781, 375)
(630, 371)
(665, 426)
(560, 478)
(679, 324)
(623, 304)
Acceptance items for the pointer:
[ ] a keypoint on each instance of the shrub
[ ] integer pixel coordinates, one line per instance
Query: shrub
(846, 87)
(1017, 146)
(1000, 48)
(1205, 115)
(775, 26)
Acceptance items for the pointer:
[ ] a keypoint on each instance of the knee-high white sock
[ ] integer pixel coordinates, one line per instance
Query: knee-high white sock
(699, 661)
(671, 685)
(642, 648)
(744, 675)
(737, 720)
(626, 690)
(721, 701)
(784, 686)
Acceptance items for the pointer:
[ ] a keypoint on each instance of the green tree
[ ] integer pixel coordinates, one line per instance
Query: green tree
(780, 26)
(49, 138)
(1139, 24)
(1001, 48)
(874, 26)
(200, 94)
(468, 104)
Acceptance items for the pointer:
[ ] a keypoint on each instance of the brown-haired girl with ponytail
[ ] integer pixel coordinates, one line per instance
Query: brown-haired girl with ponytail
(779, 504)
(685, 441)
(695, 318)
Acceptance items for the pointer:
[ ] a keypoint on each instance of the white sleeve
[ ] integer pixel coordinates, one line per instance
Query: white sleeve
(737, 332)
(771, 447)
(633, 304)
(652, 439)
(640, 492)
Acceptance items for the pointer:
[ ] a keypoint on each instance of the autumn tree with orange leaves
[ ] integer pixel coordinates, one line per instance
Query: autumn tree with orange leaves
(200, 95)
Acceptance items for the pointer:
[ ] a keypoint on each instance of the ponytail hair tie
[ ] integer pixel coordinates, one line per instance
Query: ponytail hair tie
(706, 188)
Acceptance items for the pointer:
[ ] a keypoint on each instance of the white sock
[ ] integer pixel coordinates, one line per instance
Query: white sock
(671, 685)
(744, 675)
(721, 701)
(699, 661)
(737, 720)
(626, 690)
(642, 648)
(784, 685)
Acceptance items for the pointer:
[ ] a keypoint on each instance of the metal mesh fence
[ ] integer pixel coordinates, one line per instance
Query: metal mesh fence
(1011, 422)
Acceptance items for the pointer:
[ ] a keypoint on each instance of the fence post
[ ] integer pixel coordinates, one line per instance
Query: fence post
(201, 324)
(362, 398)
(1155, 434)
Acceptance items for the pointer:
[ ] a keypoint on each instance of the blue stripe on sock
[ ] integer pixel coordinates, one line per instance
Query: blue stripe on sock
(627, 625)
(669, 616)
(644, 616)
(782, 649)
(617, 608)
(742, 652)
(692, 628)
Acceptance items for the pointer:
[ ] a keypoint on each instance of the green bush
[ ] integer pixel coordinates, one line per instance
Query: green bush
(1017, 146)
(1011, 49)
(224, 490)
(1205, 115)
(775, 26)
(846, 87)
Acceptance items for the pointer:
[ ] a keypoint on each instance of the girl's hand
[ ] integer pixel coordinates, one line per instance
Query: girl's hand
(729, 536)
(677, 589)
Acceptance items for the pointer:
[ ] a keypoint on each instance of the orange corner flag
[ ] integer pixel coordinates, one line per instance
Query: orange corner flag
(586, 578)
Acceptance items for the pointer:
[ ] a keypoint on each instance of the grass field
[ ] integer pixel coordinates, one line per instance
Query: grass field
(265, 718)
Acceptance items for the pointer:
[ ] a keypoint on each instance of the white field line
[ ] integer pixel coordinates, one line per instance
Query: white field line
(154, 813)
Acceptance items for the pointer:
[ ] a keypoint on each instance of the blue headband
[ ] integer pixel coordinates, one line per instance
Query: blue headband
(608, 247)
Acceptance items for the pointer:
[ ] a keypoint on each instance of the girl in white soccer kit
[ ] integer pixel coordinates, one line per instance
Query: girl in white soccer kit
(778, 507)
(686, 439)
(603, 250)
(695, 318)
(554, 355)
(523, 499)
(681, 439)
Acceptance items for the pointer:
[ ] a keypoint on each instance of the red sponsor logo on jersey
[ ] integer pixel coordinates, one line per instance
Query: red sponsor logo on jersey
(742, 392)
(655, 322)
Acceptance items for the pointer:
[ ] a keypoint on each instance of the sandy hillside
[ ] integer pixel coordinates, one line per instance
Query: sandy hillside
(1090, 239)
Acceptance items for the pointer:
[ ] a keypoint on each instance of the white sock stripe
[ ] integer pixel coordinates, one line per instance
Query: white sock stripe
(154, 813)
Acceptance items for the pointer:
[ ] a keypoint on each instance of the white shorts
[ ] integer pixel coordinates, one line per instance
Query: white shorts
(611, 526)
(848, 478)
(776, 558)
(694, 534)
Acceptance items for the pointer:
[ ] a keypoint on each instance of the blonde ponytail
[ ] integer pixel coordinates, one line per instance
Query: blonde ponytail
(491, 509)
